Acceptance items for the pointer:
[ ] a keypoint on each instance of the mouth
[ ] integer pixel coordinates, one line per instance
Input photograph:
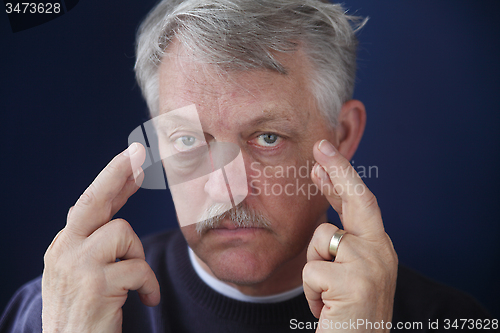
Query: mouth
(229, 225)
(230, 229)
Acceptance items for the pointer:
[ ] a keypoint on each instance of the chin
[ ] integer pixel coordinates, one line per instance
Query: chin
(240, 265)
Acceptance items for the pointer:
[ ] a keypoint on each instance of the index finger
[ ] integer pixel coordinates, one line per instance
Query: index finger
(359, 208)
(95, 206)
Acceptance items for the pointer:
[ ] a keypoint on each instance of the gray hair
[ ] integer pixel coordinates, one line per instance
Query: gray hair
(246, 34)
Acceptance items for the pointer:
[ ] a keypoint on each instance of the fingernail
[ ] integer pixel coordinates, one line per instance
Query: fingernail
(321, 173)
(131, 149)
(326, 148)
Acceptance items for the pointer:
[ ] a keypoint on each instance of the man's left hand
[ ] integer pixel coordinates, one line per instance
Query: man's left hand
(356, 290)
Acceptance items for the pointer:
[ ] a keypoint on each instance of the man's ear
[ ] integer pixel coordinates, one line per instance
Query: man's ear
(350, 128)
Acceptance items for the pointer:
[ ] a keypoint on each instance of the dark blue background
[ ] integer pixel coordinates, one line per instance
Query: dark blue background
(428, 74)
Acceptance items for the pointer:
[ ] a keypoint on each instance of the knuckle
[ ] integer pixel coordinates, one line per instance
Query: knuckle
(347, 167)
(88, 197)
(395, 259)
(144, 268)
(89, 200)
(61, 265)
(127, 241)
(121, 227)
(59, 247)
(322, 228)
(141, 271)
(308, 271)
(392, 265)
(389, 257)
(370, 201)
(49, 257)
(343, 169)
(114, 167)
(51, 254)
(343, 164)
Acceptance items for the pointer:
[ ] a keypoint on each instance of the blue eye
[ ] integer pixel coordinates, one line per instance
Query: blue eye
(268, 140)
(187, 142)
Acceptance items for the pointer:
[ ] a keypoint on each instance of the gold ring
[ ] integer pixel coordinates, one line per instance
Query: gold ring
(335, 241)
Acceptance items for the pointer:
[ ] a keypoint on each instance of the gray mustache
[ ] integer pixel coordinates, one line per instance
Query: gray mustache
(242, 216)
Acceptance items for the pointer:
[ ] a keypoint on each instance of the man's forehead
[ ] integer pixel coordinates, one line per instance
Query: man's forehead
(254, 97)
(207, 83)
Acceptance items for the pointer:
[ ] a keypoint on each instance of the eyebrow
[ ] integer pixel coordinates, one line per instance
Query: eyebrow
(169, 117)
(171, 121)
(270, 117)
(275, 116)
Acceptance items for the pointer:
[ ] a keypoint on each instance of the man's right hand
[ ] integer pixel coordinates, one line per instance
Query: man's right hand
(84, 287)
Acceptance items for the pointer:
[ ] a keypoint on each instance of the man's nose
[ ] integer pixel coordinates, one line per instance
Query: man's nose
(228, 184)
(217, 188)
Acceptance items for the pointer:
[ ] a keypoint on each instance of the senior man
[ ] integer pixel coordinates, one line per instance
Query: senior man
(275, 79)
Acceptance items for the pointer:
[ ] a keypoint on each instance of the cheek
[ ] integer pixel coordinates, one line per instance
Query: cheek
(285, 191)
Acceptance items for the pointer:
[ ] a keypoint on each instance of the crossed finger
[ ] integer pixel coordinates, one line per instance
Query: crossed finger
(107, 193)
(346, 192)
